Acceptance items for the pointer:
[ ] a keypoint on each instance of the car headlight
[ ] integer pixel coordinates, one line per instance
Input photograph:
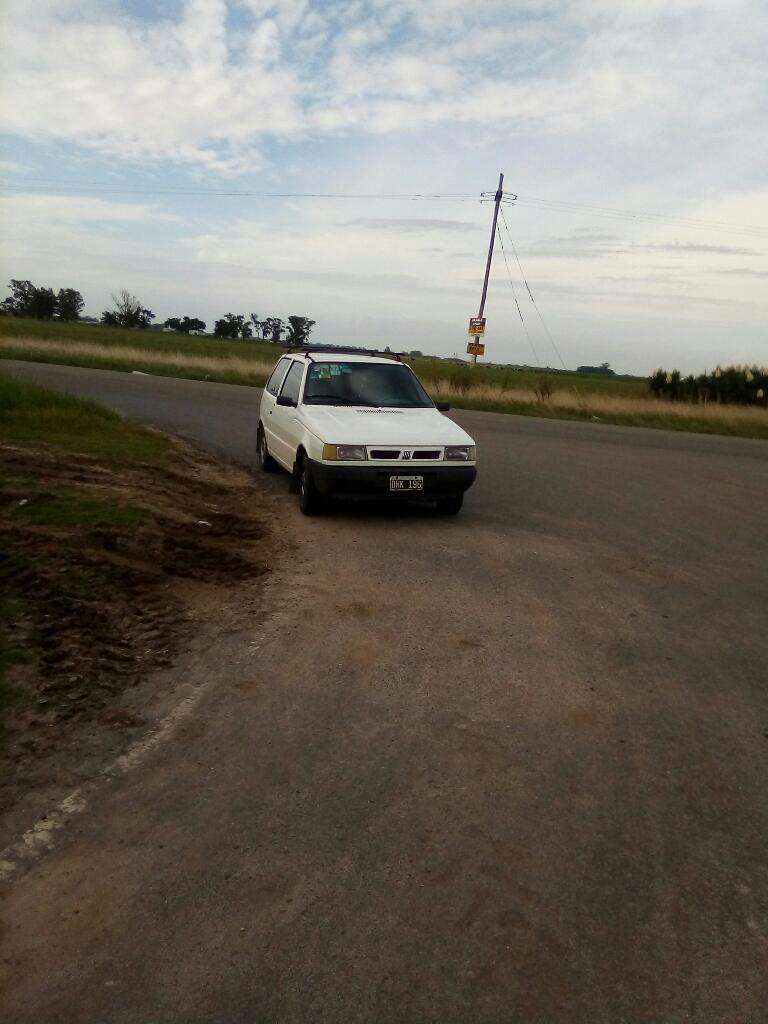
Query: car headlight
(344, 452)
(460, 453)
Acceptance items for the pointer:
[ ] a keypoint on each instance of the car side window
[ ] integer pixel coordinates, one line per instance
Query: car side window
(292, 384)
(278, 374)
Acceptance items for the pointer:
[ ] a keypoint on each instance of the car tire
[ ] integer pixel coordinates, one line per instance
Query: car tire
(310, 499)
(450, 505)
(266, 463)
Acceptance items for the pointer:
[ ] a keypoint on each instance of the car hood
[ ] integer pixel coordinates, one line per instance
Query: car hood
(353, 425)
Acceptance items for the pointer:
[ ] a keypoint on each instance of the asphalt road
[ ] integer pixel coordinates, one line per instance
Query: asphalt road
(504, 768)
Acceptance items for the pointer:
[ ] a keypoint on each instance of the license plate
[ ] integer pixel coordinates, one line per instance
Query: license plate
(406, 483)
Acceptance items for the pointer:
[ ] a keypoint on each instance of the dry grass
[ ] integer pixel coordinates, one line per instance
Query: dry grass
(230, 366)
(749, 421)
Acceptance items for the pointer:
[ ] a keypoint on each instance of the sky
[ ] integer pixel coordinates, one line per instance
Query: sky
(138, 139)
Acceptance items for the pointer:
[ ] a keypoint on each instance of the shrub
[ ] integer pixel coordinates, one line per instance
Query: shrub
(460, 379)
(543, 390)
(730, 385)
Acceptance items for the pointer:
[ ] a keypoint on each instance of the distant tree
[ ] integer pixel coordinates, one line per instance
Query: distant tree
(128, 312)
(20, 300)
(256, 325)
(299, 330)
(415, 352)
(230, 326)
(27, 299)
(273, 328)
(604, 370)
(43, 306)
(185, 324)
(69, 304)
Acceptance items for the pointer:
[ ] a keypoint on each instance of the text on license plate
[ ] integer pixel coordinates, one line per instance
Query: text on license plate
(406, 483)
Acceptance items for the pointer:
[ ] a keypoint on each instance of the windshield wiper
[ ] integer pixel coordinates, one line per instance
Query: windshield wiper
(335, 400)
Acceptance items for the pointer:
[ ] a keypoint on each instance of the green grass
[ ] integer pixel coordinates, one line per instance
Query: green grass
(730, 421)
(156, 342)
(10, 655)
(33, 416)
(527, 377)
(69, 508)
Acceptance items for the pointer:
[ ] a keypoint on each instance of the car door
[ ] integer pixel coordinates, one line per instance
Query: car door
(285, 423)
(271, 391)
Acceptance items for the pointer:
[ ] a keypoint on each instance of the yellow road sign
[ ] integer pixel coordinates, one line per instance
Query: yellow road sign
(476, 326)
(476, 348)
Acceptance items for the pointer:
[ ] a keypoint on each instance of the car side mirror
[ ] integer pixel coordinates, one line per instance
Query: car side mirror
(442, 406)
(285, 401)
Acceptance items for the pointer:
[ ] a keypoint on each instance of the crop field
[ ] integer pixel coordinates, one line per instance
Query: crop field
(523, 391)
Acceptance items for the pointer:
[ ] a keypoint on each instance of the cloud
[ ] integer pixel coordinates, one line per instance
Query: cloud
(12, 167)
(413, 225)
(49, 209)
(696, 247)
(215, 85)
(738, 272)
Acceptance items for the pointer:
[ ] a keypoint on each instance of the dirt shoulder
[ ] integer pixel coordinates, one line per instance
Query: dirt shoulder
(108, 572)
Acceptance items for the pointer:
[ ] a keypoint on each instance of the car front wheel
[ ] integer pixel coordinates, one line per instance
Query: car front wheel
(310, 500)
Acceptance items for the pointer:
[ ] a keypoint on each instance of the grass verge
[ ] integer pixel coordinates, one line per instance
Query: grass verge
(33, 416)
(115, 543)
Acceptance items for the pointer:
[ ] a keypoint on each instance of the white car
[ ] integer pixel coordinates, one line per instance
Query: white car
(358, 424)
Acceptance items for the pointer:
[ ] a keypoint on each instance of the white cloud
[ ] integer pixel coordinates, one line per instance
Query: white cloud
(47, 209)
(196, 91)
(12, 167)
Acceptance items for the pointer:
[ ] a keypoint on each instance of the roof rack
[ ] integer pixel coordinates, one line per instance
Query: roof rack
(308, 350)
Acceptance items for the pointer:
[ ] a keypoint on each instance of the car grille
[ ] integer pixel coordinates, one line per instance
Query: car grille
(394, 454)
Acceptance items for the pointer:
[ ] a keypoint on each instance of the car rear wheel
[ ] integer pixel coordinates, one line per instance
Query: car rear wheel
(265, 460)
(450, 505)
(310, 500)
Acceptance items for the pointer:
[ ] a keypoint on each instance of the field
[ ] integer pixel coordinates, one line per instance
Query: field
(526, 391)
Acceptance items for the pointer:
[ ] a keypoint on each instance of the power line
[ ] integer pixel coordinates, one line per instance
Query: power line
(651, 217)
(41, 184)
(530, 294)
(509, 197)
(514, 296)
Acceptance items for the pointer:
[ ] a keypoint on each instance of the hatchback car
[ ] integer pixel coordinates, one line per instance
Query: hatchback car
(359, 424)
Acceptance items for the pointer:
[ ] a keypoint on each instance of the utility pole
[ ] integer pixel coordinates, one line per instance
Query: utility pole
(480, 321)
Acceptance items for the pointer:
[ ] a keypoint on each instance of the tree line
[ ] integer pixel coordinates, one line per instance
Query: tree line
(295, 332)
(41, 303)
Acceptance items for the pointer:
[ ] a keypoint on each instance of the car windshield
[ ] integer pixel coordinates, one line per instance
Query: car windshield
(383, 385)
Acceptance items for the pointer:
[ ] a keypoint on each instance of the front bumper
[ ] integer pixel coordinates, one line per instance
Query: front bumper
(345, 481)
